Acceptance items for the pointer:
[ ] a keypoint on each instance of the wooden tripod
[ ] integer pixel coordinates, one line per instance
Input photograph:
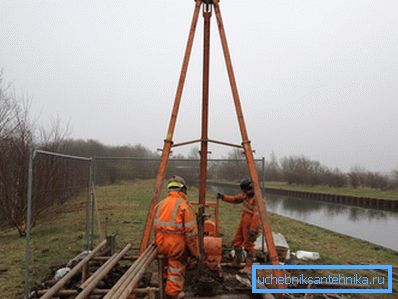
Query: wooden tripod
(208, 6)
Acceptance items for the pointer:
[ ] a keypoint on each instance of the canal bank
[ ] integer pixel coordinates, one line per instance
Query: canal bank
(358, 201)
(375, 226)
(334, 248)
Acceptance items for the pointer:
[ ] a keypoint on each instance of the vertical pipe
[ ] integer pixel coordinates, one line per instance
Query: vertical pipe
(94, 161)
(160, 274)
(93, 203)
(169, 138)
(217, 219)
(32, 155)
(205, 121)
(246, 144)
(88, 239)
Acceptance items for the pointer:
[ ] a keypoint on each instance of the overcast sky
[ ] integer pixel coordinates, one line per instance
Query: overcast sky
(316, 77)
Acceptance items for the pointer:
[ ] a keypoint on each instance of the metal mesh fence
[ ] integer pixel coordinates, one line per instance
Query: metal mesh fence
(124, 190)
(58, 213)
(69, 215)
(110, 170)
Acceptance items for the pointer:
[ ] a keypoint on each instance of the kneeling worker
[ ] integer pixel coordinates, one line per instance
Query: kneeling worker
(246, 233)
(176, 234)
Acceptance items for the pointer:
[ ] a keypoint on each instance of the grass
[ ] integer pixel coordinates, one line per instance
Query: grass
(59, 235)
(350, 191)
(360, 192)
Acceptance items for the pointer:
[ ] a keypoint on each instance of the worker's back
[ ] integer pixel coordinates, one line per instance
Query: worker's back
(174, 224)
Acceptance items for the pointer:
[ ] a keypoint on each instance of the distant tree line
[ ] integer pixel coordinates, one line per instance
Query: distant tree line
(56, 180)
(303, 170)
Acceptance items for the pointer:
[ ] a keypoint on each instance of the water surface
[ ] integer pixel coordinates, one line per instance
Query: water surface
(379, 227)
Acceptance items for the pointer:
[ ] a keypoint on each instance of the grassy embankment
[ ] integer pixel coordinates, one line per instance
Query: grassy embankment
(348, 191)
(58, 235)
(360, 192)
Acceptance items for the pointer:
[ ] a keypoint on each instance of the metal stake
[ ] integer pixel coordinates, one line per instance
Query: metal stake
(87, 233)
(92, 201)
(32, 155)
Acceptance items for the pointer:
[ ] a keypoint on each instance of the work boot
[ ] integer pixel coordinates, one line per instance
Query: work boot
(236, 263)
(249, 262)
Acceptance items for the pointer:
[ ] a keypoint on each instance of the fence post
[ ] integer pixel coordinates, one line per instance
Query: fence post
(88, 237)
(92, 202)
(94, 170)
(32, 154)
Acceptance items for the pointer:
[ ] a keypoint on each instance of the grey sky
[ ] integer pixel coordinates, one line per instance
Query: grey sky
(316, 77)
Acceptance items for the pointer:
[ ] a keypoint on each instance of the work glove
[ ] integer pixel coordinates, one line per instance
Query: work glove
(252, 233)
(220, 196)
(192, 262)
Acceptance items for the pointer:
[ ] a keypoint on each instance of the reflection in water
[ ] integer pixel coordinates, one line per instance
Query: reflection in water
(380, 227)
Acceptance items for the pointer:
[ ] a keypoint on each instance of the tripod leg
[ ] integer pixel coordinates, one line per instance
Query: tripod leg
(245, 141)
(169, 138)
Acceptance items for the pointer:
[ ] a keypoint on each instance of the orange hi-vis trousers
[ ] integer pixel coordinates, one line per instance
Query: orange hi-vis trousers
(176, 237)
(248, 221)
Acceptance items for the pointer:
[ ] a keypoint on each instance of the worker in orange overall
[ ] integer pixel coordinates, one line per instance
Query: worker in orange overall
(247, 231)
(176, 235)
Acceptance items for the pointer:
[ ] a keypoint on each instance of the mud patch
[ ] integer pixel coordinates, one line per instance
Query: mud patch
(205, 283)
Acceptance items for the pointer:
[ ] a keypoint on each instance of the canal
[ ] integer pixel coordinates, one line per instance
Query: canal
(375, 226)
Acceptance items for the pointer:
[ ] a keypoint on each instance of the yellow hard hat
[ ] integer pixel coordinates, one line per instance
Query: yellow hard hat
(176, 182)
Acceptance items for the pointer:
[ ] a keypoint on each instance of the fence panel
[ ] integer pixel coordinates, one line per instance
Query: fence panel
(58, 213)
(124, 189)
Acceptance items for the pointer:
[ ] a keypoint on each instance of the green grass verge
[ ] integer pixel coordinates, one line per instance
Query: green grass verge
(349, 191)
(360, 192)
(59, 234)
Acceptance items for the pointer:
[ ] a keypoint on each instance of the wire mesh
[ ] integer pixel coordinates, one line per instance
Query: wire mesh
(124, 190)
(68, 216)
(58, 213)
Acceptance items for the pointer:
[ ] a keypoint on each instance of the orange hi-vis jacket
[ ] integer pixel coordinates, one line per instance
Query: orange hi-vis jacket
(249, 220)
(176, 219)
(175, 234)
(250, 209)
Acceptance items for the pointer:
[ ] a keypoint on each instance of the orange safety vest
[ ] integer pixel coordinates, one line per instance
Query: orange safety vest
(174, 215)
(249, 203)
(249, 206)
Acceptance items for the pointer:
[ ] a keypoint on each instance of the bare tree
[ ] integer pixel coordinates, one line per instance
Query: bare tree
(376, 181)
(7, 108)
(394, 179)
(15, 142)
(273, 171)
(17, 137)
(194, 153)
(302, 170)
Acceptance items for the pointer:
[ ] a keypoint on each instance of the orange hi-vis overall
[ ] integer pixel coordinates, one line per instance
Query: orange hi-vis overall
(176, 235)
(249, 220)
